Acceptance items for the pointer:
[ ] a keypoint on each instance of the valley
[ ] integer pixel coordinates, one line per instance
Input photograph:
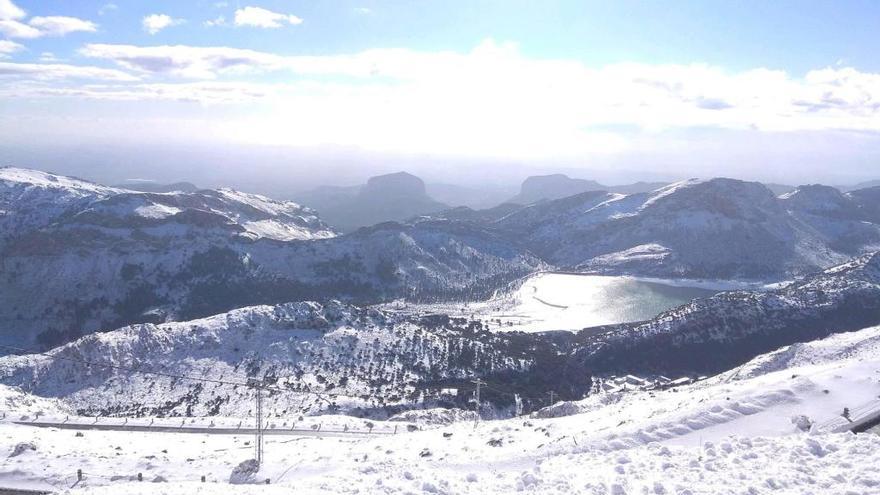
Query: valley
(702, 322)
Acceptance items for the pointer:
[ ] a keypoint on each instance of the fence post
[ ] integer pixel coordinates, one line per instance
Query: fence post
(267, 481)
(79, 475)
(140, 476)
(203, 478)
(395, 429)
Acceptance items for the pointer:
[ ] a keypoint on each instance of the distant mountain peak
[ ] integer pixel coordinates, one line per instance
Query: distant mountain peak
(554, 186)
(398, 183)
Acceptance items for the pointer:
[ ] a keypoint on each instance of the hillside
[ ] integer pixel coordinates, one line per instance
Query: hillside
(715, 229)
(338, 357)
(331, 357)
(92, 258)
(756, 429)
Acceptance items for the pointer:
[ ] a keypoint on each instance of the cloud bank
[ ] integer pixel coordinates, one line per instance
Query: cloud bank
(487, 101)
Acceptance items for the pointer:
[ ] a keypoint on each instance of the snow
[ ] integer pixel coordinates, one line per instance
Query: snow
(727, 434)
(44, 180)
(156, 211)
(281, 231)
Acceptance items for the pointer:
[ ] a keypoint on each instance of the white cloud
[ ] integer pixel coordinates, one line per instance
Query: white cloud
(218, 21)
(42, 72)
(154, 23)
(184, 61)
(7, 48)
(9, 10)
(490, 100)
(262, 18)
(107, 8)
(362, 10)
(49, 58)
(15, 29)
(61, 25)
(45, 26)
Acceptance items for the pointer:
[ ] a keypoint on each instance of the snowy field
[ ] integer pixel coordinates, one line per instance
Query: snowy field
(755, 429)
(562, 301)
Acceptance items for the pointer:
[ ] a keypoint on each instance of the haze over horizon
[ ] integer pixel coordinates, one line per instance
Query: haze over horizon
(280, 96)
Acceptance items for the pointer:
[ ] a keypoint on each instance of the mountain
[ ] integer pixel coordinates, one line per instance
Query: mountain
(391, 197)
(636, 188)
(335, 357)
(155, 187)
(32, 200)
(80, 258)
(861, 185)
(718, 228)
(556, 186)
(547, 187)
(324, 357)
(868, 202)
(779, 189)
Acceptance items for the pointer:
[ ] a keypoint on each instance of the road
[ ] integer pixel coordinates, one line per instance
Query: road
(202, 429)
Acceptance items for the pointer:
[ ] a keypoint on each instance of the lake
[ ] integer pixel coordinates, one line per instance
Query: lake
(558, 301)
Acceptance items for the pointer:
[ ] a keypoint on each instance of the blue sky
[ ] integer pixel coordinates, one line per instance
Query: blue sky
(577, 83)
(792, 35)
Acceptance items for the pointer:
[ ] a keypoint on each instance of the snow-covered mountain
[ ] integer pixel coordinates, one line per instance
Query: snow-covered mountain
(81, 257)
(767, 427)
(718, 228)
(354, 359)
(31, 200)
(375, 362)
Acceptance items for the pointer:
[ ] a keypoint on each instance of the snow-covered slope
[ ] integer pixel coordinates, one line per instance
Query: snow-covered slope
(376, 359)
(354, 359)
(110, 257)
(30, 199)
(733, 433)
(718, 228)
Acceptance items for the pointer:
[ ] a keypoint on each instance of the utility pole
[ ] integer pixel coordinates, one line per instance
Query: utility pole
(551, 397)
(478, 383)
(257, 385)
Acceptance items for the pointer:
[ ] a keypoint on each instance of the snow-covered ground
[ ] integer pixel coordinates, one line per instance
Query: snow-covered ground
(568, 301)
(732, 433)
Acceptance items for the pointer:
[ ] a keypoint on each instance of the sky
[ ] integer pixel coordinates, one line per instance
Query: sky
(783, 91)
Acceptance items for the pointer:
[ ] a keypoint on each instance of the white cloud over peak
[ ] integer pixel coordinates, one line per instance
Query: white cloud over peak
(61, 25)
(263, 18)
(154, 23)
(9, 10)
(7, 48)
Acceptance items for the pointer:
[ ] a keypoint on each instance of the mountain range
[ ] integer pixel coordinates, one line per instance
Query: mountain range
(717, 228)
(78, 257)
